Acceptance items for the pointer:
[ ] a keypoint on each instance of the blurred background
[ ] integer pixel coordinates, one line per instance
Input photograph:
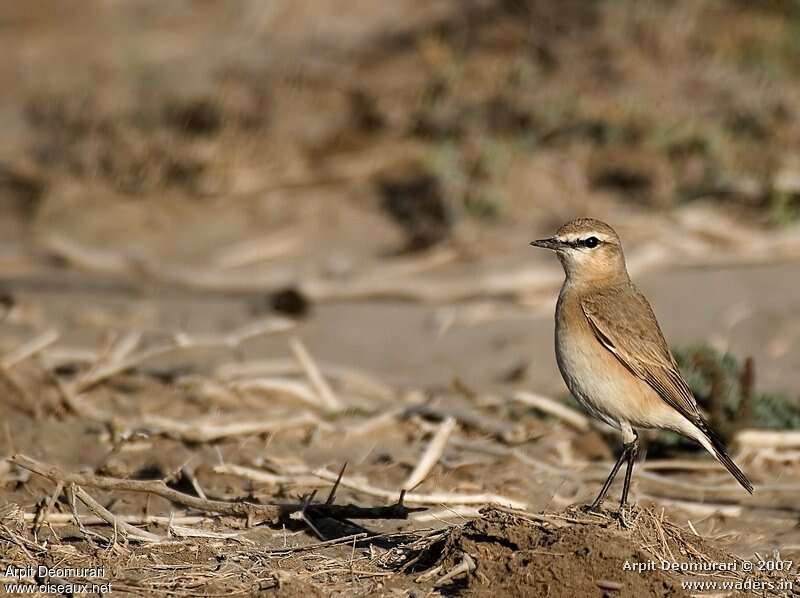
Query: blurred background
(350, 151)
(374, 171)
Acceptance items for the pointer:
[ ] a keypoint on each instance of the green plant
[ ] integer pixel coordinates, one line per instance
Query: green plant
(784, 207)
(724, 388)
(471, 178)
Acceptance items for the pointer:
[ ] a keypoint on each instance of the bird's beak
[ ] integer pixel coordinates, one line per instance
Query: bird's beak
(552, 244)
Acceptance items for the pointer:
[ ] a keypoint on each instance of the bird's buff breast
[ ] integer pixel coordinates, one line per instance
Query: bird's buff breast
(596, 378)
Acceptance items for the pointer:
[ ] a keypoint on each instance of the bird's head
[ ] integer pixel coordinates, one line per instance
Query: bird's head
(589, 250)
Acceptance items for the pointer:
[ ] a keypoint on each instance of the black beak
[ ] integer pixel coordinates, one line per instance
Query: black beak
(552, 244)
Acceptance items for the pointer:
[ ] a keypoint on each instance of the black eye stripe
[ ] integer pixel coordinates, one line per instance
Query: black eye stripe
(589, 243)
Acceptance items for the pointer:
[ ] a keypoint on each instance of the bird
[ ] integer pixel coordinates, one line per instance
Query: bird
(612, 354)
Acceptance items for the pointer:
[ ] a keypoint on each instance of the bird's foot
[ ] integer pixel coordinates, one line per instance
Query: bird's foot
(592, 509)
(626, 515)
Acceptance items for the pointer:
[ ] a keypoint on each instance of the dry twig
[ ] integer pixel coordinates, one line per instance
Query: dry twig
(29, 348)
(290, 389)
(199, 430)
(507, 432)
(432, 454)
(251, 511)
(245, 253)
(751, 439)
(325, 394)
(133, 533)
(466, 565)
(67, 518)
(558, 410)
(155, 487)
(353, 379)
(418, 498)
(122, 360)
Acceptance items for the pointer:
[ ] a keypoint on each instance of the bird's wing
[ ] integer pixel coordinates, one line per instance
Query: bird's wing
(624, 323)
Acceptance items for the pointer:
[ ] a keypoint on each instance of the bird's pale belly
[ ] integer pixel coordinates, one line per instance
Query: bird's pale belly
(603, 385)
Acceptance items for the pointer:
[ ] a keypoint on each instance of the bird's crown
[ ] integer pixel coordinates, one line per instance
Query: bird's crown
(582, 228)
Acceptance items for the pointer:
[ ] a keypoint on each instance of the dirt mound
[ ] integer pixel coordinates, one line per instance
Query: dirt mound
(571, 554)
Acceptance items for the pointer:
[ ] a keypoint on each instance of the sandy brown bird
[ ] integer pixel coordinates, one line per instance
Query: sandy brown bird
(612, 354)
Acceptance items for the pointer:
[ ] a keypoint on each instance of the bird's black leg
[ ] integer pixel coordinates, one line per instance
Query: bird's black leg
(595, 506)
(632, 450)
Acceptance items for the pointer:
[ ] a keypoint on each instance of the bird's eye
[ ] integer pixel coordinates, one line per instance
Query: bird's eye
(592, 242)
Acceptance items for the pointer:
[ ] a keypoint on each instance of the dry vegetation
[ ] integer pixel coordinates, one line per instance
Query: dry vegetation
(179, 487)
(270, 319)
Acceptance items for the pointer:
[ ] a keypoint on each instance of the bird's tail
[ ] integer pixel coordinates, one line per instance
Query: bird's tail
(715, 446)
